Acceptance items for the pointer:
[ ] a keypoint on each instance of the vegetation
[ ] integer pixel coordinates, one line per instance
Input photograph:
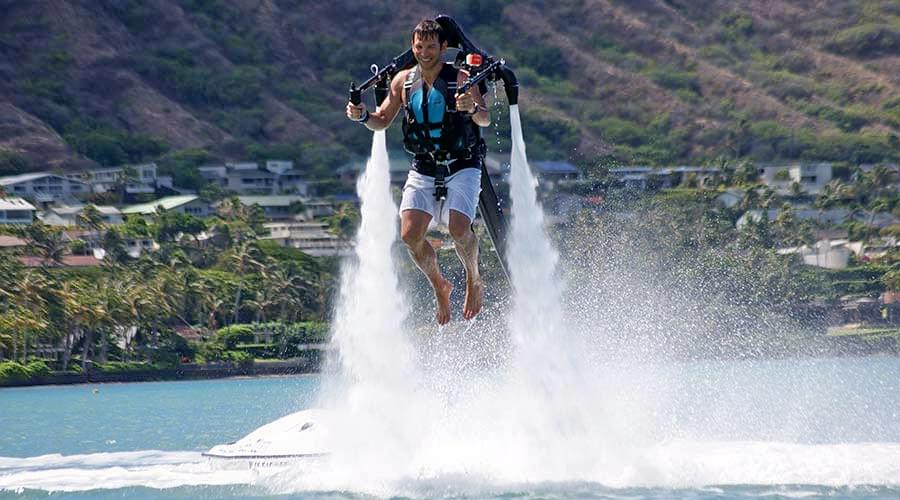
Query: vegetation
(127, 309)
(714, 83)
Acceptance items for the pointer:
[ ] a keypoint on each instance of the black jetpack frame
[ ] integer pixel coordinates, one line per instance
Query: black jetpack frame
(481, 68)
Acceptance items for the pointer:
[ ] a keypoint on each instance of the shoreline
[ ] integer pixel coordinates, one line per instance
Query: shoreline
(188, 371)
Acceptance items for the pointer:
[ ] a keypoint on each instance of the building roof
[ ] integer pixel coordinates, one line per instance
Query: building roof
(554, 167)
(71, 210)
(271, 201)
(11, 241)
(168, 203)
(67, 260)
(15, 179)
(256, 173)
(13, 203)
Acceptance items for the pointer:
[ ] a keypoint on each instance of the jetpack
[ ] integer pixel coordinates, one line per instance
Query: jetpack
(481, 68)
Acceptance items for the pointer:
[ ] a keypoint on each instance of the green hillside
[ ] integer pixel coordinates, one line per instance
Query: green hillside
(183, 82)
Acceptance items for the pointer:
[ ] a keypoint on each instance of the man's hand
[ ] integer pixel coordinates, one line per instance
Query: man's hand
(355, 112)
(465, 102)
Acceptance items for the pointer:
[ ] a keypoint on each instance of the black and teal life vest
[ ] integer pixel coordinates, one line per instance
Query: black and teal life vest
(432, 127)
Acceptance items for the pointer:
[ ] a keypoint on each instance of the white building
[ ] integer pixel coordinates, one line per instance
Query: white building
(830, 254)
(44, 187)
(16, 211)
(68, 215)
(278, 207)
(279, 177)
(186, 204)
(312, 238)
(811, 177)
(145, 180)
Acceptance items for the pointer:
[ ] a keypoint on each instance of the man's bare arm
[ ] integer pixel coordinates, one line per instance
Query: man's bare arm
(472, 100)
(382, 117)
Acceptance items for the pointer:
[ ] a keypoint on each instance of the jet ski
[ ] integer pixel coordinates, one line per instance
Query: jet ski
(295, 440)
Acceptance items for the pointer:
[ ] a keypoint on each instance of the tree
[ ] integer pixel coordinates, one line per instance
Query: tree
(243, 260)
(31, 291)
(91, 218)
(44, 241)
(170, 225)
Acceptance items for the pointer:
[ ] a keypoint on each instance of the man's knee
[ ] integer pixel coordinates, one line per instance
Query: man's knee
(411, 236)
(460, 228)
(412, 230)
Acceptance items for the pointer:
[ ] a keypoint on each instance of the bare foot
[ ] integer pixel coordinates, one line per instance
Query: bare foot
(442, 294)
(474, 290)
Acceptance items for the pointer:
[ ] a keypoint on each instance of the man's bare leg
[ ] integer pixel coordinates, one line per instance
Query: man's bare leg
(413, 226)
(467, 251)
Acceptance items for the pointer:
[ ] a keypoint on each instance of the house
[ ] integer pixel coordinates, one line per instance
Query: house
(398, 169)
(246, 178)
(811, 178)
(552, 173)
(145, 179)
(278, 177)
(830, 254)
(676, 176)
(289, 180)
(310, 237)
(66, 215)
(187, 204)
(634, 177)
(278, 207)
(44, 188)
(134, 245)
(16, 211)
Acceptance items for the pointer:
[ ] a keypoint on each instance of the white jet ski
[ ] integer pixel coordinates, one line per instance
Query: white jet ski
(294, 440)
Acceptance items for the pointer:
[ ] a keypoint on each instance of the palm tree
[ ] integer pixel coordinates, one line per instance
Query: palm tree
(90, 313)
(44, 241)
(32, 290)
(243, 260)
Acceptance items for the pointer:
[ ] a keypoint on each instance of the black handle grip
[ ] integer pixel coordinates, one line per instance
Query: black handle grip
(355, 94)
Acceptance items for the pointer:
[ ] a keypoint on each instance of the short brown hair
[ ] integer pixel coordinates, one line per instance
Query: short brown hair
(429, 28)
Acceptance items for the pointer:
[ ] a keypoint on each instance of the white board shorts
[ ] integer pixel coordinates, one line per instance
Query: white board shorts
(463, 189)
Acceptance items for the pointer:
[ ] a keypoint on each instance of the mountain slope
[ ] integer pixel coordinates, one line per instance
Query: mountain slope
(647, 81)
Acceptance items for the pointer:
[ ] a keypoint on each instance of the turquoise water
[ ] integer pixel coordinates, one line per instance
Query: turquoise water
(784, 428)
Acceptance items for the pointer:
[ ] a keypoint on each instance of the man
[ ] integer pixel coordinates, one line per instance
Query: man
(441, 130)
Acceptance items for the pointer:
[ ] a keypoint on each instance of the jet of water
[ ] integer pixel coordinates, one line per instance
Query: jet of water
(376, 366)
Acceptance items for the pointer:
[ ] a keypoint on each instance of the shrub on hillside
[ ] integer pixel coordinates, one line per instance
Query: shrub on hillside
(38, 368)
(867, 40)
(232, 335)
(11, 371)
(123, 367)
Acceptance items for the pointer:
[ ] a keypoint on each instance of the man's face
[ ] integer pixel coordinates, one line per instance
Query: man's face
(428, 51)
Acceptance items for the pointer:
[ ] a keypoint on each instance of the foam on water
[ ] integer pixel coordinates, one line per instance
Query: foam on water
(150, 468)
(671, 465)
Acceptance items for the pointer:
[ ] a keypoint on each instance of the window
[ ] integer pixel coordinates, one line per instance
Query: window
(18, 215)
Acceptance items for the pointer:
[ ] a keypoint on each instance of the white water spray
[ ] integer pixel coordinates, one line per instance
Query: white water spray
(373, 417)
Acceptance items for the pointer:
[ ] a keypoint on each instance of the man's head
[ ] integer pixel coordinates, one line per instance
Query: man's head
(428, 43)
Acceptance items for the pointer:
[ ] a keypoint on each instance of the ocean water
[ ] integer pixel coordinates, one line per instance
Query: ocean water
(776, 428)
